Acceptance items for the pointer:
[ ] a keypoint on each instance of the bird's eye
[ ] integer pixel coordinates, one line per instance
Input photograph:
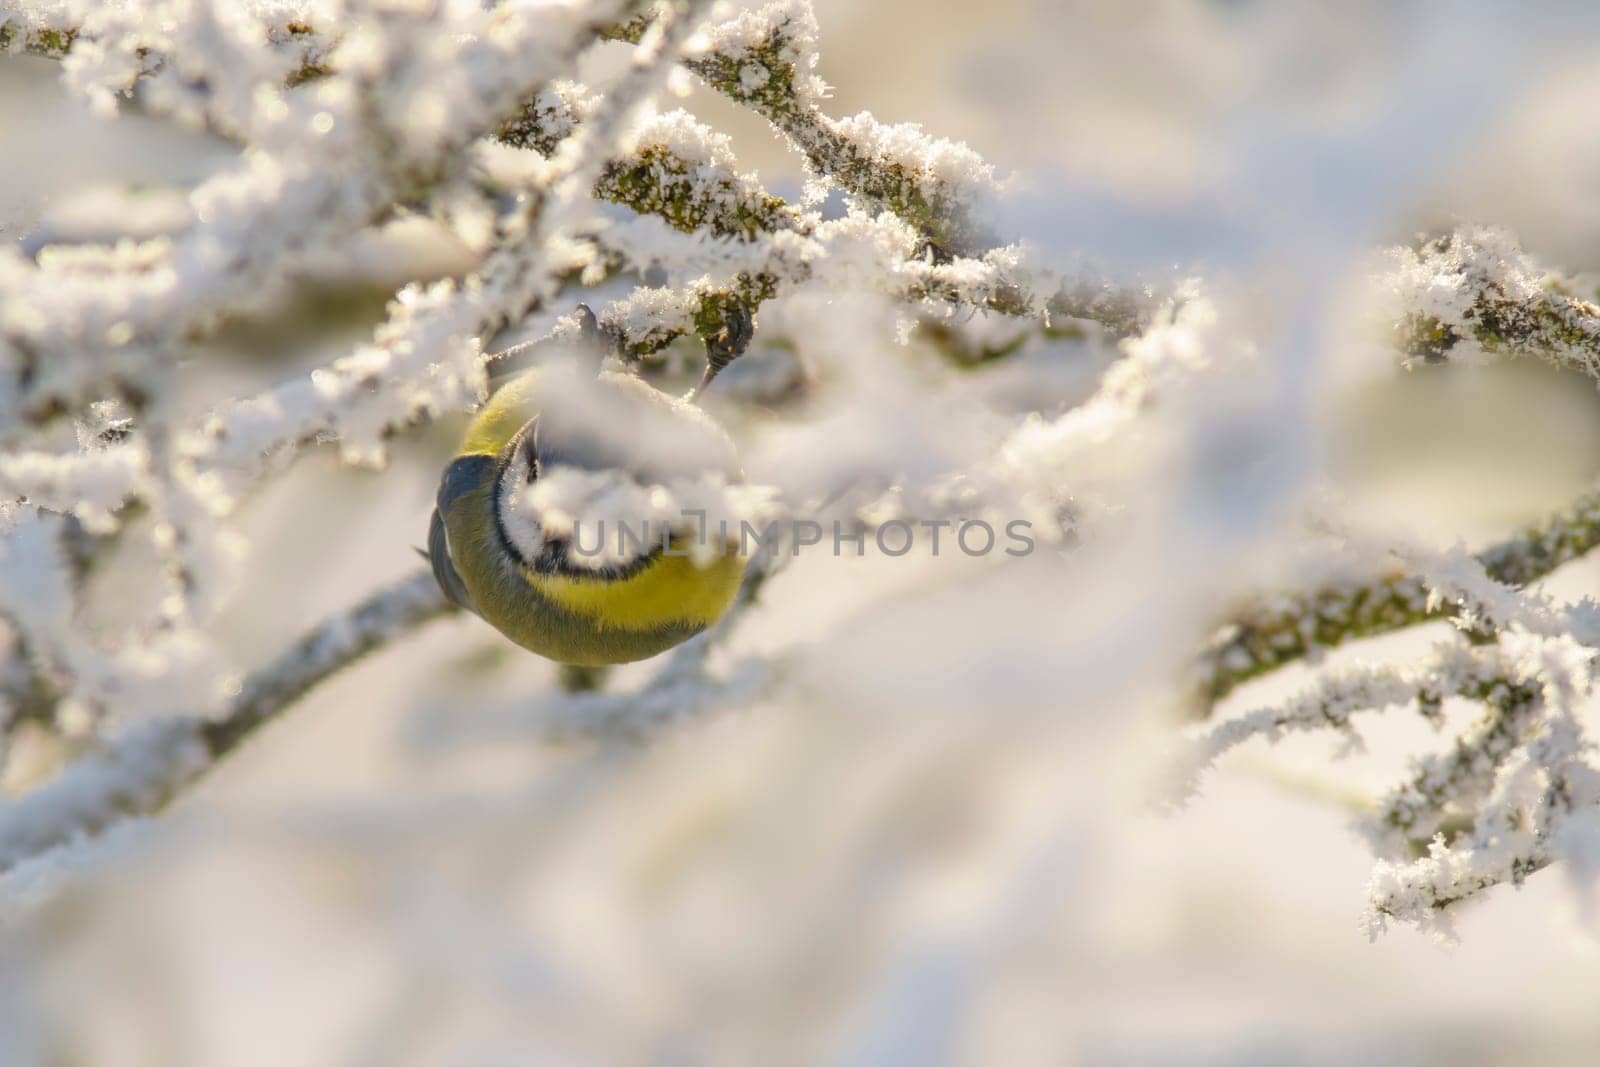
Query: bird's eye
(529, 455)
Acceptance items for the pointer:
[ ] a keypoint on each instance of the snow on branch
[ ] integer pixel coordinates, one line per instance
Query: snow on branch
(1516, 789)
(765, 59)
(1287, 627)
(677, 168)
(427, 356)
(1492, 807)
(45, 30)
(330, 161)
(683, 172)
(1529, 800)
(139, 770)
(1453, 670)
(1475, 293)
(1459, 779)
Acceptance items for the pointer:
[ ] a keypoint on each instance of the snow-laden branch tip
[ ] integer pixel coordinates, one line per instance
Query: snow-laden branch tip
(1475, 294)
(1283, 628)
(1542, 787)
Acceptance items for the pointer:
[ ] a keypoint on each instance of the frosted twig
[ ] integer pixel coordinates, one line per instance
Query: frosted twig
(375, 622)
(427, 356)
(765, 59)
(39, 33)
(677, 168)
(1423, 891)
(82, 335)
(1289, 627)
(1518, 831)
(1334, 698)
(1457, 780)
(685, 174)
(92, 485)
(1476, 289)
(138, 772)
(1535, 789)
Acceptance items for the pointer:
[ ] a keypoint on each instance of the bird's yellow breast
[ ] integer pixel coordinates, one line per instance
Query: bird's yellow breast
(670, 589)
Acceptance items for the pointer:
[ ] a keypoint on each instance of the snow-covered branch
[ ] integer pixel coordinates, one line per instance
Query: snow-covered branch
(330, 161)
(1330, 703)
(765, 59)
(138, 771)
(1473, 293)
(1530, 795)
(1287, 627)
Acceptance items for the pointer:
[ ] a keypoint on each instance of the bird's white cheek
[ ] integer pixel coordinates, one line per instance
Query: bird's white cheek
(516, 518)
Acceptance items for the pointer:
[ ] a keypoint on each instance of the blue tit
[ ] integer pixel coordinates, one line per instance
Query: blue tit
(532, 589)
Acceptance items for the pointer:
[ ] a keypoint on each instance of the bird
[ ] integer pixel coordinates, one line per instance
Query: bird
(489, 556)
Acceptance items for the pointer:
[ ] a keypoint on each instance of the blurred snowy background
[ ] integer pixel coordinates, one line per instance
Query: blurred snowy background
(930, 844)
